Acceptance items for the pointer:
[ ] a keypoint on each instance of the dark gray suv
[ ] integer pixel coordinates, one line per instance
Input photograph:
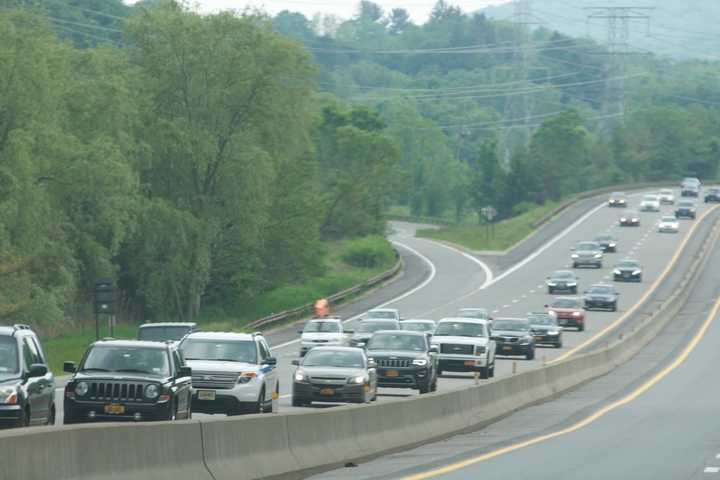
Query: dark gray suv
(27, 387)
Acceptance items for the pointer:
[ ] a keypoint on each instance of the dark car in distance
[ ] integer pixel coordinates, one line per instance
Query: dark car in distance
(617, 199)
(365, 329)
(128, 380)
(712, 195)
(587, 254)
(628, 271)
(630, 219)
(334, 374)
(607, 242)
(404, 360)
(27, 388)
(513, 337)
(545, 329)
(601, 296)
(686, 209)
(562, 281)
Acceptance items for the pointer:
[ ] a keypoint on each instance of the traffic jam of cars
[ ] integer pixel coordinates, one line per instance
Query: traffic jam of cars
(174, 369)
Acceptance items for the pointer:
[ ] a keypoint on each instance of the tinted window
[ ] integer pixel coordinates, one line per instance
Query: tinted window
(370, 327)
(460, 329)
(151, 361)
(667, 219)
(600, 290)
(541, 320)
(219, 350)
(397, 341)
(565, 303)
(264, 351)
(511, 325)
(417, 326)
(588, 246)
(628, 265)
(477, 313)
(324, 327)
(9, 359)
(563, 275)
(334, 358)
(30, 352)
(161, 334)
(177, 361)
(382, 315)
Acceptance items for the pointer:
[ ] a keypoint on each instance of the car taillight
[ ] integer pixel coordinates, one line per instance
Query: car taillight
(576, 314)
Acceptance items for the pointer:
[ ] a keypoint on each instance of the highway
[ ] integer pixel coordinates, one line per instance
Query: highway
(654, 417)
(439, 280)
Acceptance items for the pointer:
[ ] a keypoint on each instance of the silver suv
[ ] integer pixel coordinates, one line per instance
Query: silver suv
(232, 373)
(464, 345)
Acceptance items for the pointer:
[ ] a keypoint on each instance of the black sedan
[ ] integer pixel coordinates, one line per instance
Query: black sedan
(607, 242)
(545, 329)
(630, 219)
(617, 199)
(628, 271)
(712, 195)
(601, 296)
(686, 209)
(562, 281)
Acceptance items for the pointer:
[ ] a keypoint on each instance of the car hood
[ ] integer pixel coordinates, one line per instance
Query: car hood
(460, 340)
(562, 280)
(509, 333)
(587, 253)
(212, 366)
(321, 336)
(599, 296)
(119, 376)
(395, 353)
(544, 328)
(627, 269)
(335, 372)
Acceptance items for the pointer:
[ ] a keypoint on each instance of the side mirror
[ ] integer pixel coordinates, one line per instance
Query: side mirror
(300, 332)
(37, 370)
(69, 367)
(296, 363)
(434, 349)
(372, 364)
(271, 361)
(184, 372)
(547, 306)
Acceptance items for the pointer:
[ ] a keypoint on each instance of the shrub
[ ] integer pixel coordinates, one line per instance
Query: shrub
(368, 252)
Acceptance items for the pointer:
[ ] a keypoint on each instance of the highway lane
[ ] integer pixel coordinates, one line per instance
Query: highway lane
(653, 418)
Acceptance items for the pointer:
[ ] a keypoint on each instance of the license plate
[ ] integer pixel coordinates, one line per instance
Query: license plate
(114, 409)
(507, 349)
(206, 394)
(469, 363)
(538, 338)
(392, 373)
(327, 391)
(563, 322)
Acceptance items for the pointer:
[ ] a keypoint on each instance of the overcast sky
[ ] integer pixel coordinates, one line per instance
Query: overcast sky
(419, 9)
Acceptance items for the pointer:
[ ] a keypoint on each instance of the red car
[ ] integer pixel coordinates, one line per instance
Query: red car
(569, 312)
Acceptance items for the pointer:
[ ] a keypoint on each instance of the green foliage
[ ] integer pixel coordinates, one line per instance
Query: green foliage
(368, 252)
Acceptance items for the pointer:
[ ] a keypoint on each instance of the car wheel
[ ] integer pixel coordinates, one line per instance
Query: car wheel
(258, 407)
(25, 420)
(614, 307)
(491, 373)
(574, 290)
(575, 265)
(484, 373)
(550, 291)
(530, 355)
(559, 343)
(51, 417)
(433, 387)
(424, 388)
(439, 372)
(581, 327)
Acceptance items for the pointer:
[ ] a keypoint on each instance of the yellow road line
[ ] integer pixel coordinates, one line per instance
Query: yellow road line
(586, 421)
(642, 299)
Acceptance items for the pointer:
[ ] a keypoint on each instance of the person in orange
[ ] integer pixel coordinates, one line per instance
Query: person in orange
(322, 308)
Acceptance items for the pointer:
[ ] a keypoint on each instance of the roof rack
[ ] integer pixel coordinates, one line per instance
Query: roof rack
(21, 326)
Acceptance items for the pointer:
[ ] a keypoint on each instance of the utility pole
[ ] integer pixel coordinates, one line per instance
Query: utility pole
(519, 106)
(618, 20)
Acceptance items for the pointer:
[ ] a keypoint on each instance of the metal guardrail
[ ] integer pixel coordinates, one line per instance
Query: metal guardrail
(334, 298)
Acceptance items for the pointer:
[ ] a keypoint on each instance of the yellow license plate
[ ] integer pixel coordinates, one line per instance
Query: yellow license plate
(206, 395)
(114, 409)
(392, 373)
(507, 349)
(327, 391)
(469, 363)
(538, 338)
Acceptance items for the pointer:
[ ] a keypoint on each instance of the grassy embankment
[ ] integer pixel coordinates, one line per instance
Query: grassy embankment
(347, 263)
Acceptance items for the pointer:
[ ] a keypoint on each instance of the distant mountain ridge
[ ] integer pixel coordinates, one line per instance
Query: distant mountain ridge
(678, 28)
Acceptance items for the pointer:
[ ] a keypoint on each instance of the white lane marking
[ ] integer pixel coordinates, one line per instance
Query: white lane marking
(488, 273)
(523, 296)
(717, 456)
(515, 301)
(712, 469)
(506, 306)
(496, 311)
(433, 272)
(532, 291)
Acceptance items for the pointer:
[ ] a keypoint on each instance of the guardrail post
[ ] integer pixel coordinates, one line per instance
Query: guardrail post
(514, 370)
(476, 376)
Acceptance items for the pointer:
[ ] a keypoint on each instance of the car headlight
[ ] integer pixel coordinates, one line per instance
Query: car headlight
(623, 219)
(636, 272)
(420, 362)
(598, 255)
(8, 395)
(574, 255)
(612, 245)
(81, 389)
(576, 314)
(551, 284)
(571, 284)
(245, 377)
(553, 332)
(480, 350)
(299, 376)
(359, 380)
(617, 272)
(634, 219)
(152, 391)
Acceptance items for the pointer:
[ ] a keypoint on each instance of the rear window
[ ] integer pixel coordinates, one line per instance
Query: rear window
(219, 350)
(382, 315)
(511, 325)
(417, 326)
(370, 327)
(460, 329)
(565, 303)
(161, 334)
(322, 327)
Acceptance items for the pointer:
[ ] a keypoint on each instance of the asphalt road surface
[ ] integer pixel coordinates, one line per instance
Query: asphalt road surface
(655, 417)
(440, 280)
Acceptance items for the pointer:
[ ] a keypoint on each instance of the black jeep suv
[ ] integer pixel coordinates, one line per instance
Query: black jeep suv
(27, 388)
(128, 380)
(404, 359)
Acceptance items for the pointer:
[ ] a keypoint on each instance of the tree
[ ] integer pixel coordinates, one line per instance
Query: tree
(398, 21)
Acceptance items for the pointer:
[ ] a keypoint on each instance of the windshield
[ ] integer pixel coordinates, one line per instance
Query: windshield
(160, 334)
(381, 314)
(397, 341)
(478, 313)
(628, 265)
(460, 329)
(686, 204)
(600, 290)
(219, 350)
(618, 195)
(322, 327)
(417, 326)
(667, 219)
(370, 327)
(565, 303)
(666, 192)
(563, 275)
(588, 246)
(109, 358)
(334, 358)
(542, 319)
(651, 198)
(511, 325)
(9, 360)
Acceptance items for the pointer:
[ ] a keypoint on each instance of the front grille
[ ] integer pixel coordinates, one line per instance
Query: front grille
(216, 381)
(393, 363)
(116, 391)
(457, 349)
(509, 339)
(319, 341)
